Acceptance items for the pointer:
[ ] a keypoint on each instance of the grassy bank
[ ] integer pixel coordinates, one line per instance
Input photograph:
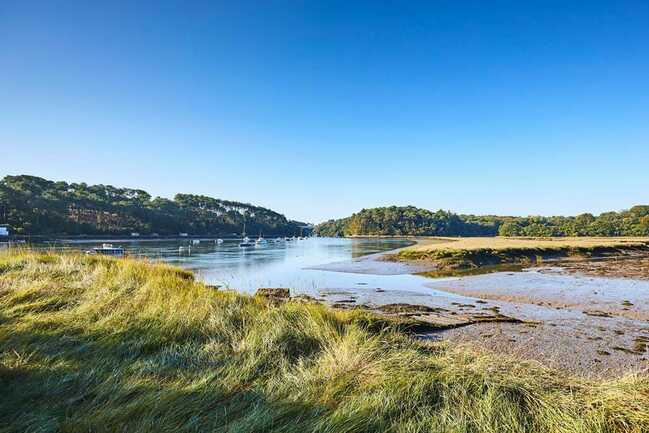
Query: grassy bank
(466, 253)
(105, 345)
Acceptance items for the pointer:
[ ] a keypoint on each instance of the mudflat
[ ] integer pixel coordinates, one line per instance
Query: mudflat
(591, 317)
(582, 313)
(636, 267)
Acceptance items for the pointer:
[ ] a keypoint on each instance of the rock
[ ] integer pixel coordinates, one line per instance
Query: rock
(407, 308)
(598, 313)
(306, 299)
(346, 301)
(274, 294)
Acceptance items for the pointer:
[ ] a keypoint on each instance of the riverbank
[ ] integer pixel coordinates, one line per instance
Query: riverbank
(54, 239)
(591, 326)
(100, 344)
(555, 311)
(450, 254)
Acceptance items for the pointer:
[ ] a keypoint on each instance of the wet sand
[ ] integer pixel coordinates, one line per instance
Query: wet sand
(553, 287)
(636, 267)
(592, 326)
(583, 318)
(565, 338)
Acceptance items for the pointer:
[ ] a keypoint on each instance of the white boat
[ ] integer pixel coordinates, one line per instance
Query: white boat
(279, 240)
(196, 241)
(219, 241)
(107, 250)
(246, 242)
(261, 241)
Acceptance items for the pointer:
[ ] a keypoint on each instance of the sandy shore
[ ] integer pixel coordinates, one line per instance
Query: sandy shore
(582, 324)
(590, 317)
(636, 267)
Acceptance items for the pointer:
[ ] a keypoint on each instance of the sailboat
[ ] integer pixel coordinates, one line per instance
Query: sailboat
(246, 240)
(260, 240)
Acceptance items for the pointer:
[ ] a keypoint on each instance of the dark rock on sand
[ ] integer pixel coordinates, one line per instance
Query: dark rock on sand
(274, 294)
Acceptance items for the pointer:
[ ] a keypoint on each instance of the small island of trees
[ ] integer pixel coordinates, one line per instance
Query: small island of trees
(413, 221)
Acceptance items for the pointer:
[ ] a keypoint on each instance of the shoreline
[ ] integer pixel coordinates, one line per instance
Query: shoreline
(113, 238)
(537, 327)
(450, 254)
(547, 326)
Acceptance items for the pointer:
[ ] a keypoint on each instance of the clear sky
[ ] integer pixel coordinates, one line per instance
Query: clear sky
(319, 109)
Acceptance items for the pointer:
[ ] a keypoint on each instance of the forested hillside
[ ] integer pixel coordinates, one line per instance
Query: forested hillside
(36, 206)
(409, 220)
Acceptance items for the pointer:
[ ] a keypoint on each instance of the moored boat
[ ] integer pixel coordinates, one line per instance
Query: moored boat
(246, 242)
(107, 250)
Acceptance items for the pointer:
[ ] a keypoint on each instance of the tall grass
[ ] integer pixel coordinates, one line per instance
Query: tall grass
(505, 243)
(93, 344)
(449, 253)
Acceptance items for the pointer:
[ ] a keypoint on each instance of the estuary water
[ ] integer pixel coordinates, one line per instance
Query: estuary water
(283, 264)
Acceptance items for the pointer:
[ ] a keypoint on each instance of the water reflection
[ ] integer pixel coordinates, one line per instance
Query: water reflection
(280, 264)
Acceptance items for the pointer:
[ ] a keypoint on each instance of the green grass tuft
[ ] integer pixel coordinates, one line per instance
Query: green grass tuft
(94, 344)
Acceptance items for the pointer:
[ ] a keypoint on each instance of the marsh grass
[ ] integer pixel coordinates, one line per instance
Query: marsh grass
(463, 253)
(500, 243)
(94, 344)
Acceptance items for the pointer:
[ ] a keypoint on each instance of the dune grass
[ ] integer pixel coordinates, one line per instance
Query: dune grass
(503, 243)
(94, 344)
(476, 252)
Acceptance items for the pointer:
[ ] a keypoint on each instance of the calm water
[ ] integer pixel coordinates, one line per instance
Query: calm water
(288, 264)
(283, 264)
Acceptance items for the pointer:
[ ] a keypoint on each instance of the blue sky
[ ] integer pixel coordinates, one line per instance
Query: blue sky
(319, 109)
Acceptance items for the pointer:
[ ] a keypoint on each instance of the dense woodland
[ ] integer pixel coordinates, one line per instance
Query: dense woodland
(409, 220)
(31, 205)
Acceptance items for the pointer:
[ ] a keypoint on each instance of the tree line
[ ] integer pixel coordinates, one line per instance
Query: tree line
(31, 205)
(413, 221)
